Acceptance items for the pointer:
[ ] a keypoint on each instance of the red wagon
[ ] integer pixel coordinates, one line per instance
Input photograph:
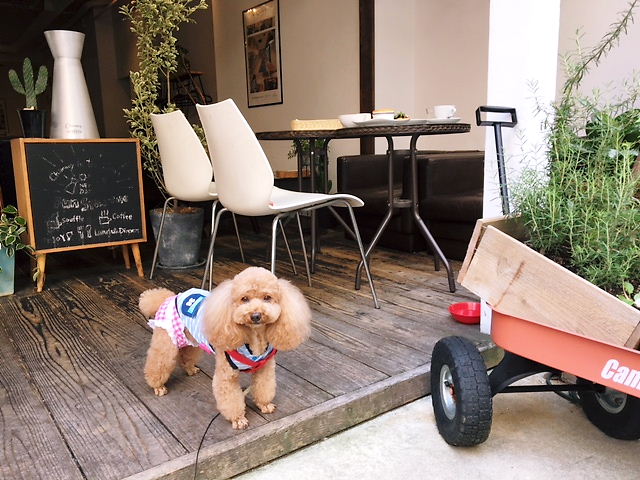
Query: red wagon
(547, 319)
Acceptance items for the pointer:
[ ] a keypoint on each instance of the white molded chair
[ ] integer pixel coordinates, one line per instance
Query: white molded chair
(246, 185)
(186, 168)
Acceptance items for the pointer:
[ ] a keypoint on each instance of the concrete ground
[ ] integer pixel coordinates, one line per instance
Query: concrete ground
(533, 436)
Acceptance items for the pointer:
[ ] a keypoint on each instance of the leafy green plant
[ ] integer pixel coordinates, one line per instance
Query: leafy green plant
(27, 87)
(321, 161)
(629, 295)
(155, 24)
(12, 226)
(583, 211)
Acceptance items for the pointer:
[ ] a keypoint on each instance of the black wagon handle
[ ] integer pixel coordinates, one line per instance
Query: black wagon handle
(497, 127)
(489, 109)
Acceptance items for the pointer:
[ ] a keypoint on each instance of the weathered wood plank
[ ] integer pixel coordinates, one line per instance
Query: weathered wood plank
(327, 369)
(109, 431)
(30, 445)
(367, 348)
(353, 348)
(130, 342)
(294, 393)
(417, 326)
(275, 439)
(516, 280)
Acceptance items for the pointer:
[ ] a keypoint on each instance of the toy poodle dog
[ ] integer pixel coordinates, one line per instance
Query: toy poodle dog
(245, 320)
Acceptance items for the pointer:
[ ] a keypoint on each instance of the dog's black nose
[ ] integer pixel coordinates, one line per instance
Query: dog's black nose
(256, 317)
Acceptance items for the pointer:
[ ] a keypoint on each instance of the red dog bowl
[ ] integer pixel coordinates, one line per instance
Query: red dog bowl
(465, 312)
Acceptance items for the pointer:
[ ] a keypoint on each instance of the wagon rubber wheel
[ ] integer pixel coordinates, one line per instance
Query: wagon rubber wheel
(614, 413)
(460, 392)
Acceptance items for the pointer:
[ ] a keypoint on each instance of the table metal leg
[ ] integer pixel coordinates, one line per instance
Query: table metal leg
(415, 210)
(372, 245)
(314, 218)
(387, 217)
(317, 153)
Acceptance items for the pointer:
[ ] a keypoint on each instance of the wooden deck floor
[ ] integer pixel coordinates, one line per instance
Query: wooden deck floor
(74, 404)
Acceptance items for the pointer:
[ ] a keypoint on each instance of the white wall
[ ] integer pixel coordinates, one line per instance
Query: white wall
(522, 52)
(430, 52)
(395, 67)
(320, 58)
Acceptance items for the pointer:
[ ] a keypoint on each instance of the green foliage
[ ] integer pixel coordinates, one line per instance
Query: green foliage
(12, 226)
(629, 295)
(321, 161)
(584, 211)
(155, 23)
(27, 87)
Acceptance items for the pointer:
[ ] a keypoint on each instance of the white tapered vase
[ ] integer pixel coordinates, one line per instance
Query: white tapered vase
(71, 111)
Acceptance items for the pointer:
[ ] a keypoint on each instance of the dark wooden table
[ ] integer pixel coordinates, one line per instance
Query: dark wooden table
(318, 143)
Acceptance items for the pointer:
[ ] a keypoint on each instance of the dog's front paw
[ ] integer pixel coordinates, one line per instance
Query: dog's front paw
(267, 408)
(160, 391)
(240, 423)
(191, 370)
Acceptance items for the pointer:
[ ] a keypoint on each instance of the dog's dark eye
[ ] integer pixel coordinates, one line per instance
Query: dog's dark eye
(267, 298)
(244, 299)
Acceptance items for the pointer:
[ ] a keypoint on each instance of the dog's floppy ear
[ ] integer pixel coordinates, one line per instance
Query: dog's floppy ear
(222, 332)
(294, 325)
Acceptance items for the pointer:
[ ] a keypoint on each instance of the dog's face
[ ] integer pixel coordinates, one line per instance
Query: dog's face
(255, 294)
(256, 301)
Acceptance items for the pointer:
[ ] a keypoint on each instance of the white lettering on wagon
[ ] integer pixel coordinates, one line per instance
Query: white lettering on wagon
(621, 374)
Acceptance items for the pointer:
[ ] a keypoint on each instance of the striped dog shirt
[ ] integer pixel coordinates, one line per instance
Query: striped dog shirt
(184, 311)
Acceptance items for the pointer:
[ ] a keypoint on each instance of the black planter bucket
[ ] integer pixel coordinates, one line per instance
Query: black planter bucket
(181, 238)
(33, 123)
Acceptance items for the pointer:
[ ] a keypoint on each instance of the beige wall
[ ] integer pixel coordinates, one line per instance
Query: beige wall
(431, 52)
(320, 76)
(593, 18)
(427, 52)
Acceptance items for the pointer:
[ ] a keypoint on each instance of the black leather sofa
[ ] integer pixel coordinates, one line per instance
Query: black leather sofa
(450, 186)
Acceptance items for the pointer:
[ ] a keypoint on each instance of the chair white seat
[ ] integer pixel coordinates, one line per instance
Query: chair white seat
(289, 200)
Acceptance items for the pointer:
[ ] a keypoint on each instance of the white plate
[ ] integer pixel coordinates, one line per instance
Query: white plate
(443, 120)
(418, 121)
(379, 122)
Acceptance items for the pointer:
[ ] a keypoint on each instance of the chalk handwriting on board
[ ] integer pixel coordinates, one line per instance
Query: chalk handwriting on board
(84, 193)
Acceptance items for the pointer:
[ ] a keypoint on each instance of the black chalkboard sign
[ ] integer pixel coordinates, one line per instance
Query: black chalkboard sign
(79, 193)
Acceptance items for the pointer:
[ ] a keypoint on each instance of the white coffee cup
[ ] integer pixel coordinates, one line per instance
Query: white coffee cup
(444, 111)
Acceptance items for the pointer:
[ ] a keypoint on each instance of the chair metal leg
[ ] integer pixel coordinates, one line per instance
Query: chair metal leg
(362, 254)
(235, 225)
(304, 249)
(286, 243)
(274, 231)
(155, 251)
(208, 268)
(213, 215)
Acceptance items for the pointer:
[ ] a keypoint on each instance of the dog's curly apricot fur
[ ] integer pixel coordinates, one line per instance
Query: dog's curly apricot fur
(254, 308)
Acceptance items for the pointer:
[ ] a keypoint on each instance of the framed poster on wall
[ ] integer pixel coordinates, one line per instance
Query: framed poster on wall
(262, 54)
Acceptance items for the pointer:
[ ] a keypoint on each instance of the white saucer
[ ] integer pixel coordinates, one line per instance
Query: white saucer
(443, 120)
(379, 122)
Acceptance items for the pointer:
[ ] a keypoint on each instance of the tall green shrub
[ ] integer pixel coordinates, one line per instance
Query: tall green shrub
(584, 210)
(155, 23)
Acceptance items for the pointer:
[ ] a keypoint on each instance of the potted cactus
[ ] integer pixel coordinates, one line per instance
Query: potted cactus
(31, 119)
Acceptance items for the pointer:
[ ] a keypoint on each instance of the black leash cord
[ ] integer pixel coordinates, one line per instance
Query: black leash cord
(195, 466)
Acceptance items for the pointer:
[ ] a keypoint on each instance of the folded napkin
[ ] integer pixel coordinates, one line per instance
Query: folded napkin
(327, 124)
